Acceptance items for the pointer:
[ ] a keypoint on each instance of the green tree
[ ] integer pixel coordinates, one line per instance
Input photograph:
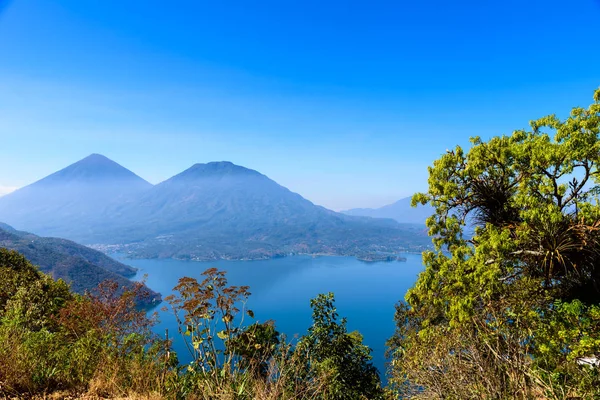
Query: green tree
(337, 357)
(484, 318)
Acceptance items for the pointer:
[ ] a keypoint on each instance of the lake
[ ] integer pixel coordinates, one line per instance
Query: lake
(281, 289)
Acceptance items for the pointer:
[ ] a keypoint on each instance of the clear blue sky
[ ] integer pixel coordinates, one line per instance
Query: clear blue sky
(344, 102)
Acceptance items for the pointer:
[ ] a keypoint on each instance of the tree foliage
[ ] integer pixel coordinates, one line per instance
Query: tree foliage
(27, 296)
(516, 231)
(338, 356)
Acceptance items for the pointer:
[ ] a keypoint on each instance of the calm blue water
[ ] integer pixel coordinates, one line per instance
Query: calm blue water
(282, 288)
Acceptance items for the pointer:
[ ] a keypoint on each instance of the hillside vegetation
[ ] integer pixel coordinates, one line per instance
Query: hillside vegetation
(54, 342)
(83, 268)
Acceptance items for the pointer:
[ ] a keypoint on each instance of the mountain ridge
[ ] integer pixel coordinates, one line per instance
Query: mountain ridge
(95, 166)
(78, 193)
(222, 210)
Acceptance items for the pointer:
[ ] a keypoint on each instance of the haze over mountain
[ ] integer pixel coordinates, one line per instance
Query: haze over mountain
(82, 267)
(400, 211)
(209, 211)
(71, 198)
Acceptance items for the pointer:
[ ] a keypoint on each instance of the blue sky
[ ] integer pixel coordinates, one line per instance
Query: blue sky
(346, 103)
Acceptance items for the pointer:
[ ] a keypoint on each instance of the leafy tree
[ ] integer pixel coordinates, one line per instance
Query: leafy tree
(484, 318)
(336, 356)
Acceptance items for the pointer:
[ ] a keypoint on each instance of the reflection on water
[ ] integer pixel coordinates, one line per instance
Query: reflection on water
(282, 288)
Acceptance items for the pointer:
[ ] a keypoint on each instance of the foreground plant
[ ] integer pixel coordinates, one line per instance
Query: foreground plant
(52, 339)
(253, 361)
(506, 311)
(337, 357)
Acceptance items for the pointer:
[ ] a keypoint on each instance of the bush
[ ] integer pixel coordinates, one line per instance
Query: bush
(52, 339)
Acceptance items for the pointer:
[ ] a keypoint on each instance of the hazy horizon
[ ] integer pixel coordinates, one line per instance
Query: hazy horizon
(343, 103)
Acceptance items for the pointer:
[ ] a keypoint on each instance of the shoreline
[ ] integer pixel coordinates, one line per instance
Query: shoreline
(398, 257)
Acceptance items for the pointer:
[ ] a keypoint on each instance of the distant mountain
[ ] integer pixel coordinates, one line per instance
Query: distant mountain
(215, 196)
(217, 210)
(82, 267)
(70, 202)
(400, 211)
(222, 210)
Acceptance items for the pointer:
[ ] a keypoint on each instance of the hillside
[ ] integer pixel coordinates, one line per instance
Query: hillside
(82, 267)
(400, 211)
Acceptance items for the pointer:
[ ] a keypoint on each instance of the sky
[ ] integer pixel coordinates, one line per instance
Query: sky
(345, 102)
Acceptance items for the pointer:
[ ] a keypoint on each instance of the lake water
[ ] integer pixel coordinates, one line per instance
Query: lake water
(281, 289)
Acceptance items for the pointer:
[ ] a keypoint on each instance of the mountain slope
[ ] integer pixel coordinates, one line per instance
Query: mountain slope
(400, 211)
(209, 211)
(208, 195)
(71, 201)
(82, 267)
(221, 210)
